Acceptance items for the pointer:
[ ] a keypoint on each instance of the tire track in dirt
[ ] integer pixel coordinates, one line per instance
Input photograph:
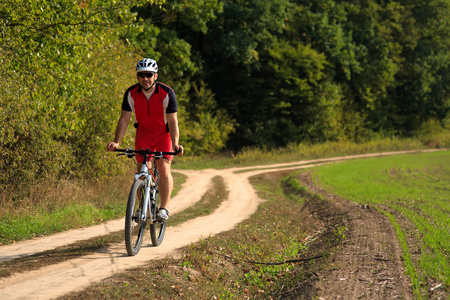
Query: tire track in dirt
(369, 263)
(56, 280)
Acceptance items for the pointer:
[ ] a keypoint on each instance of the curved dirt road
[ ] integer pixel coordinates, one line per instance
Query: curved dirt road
(56, 280)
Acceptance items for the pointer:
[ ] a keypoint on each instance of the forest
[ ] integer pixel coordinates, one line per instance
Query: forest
(246, 73)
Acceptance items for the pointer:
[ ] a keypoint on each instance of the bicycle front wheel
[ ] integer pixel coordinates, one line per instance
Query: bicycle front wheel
(134, 225)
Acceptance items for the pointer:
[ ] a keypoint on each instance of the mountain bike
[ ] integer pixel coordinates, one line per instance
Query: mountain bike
(143, 202)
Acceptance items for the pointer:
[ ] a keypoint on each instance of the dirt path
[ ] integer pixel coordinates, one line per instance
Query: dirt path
(72, 275)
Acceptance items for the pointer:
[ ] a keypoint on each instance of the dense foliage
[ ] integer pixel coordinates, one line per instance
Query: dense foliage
(265, 73)
(59, 75)
(318, 70)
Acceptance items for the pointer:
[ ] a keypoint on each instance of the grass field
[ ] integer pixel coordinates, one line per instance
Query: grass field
(414, 192)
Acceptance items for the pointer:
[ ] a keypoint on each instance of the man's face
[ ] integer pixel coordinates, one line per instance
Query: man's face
(147, 79)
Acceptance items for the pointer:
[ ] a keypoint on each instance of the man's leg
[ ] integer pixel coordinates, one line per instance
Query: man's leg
(165, 181)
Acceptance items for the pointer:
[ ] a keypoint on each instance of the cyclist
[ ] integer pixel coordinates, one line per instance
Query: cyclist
(155, 110)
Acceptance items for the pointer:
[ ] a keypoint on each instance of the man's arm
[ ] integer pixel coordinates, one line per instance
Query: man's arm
(172, 121)
(121, 129)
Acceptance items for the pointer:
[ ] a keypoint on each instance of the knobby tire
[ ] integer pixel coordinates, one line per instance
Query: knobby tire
(157, 229)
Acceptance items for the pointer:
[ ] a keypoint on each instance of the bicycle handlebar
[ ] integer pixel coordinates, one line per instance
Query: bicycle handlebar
(131, 152)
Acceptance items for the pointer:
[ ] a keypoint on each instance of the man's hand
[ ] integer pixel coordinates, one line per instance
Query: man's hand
(112, 146)
(179, 150)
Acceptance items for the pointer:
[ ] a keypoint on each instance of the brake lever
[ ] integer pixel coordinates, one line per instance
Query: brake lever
(127, 153)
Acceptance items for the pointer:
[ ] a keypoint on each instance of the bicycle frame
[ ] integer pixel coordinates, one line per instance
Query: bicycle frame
(150, 189)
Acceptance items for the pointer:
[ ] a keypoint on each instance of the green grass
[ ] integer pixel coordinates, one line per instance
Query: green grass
(44, 222)
(415, 187)
(303, 151)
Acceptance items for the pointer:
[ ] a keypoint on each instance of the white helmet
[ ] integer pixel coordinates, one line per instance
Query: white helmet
(147, 64)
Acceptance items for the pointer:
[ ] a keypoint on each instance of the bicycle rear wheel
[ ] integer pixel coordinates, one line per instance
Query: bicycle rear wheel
(134, 225)
(157, 229)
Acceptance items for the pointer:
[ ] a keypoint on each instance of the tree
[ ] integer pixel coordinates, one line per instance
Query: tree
(423, 93)
(59, 72)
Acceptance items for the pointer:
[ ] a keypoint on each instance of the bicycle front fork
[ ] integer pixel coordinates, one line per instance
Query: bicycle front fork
(149, 199)
(146, 203)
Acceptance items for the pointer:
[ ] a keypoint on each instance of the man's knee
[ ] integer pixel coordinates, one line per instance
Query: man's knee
(163, 168)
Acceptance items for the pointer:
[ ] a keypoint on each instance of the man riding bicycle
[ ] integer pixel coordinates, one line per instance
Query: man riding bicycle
(155, 111)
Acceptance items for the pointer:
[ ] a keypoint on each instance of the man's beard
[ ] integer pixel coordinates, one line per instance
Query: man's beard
(148, 88)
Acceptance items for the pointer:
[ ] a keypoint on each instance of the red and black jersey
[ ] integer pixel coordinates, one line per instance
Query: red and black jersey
(151, 113)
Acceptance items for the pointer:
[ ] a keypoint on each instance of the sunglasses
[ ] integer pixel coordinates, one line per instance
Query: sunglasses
(148, 75)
